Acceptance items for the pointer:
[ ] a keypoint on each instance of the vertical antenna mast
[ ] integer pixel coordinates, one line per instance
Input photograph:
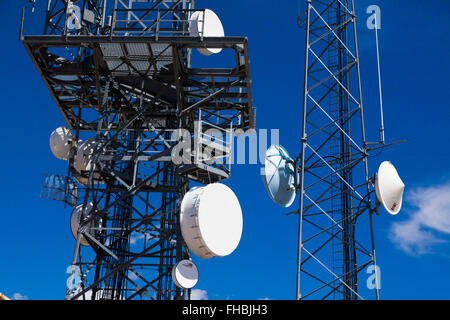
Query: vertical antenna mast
(379, 81)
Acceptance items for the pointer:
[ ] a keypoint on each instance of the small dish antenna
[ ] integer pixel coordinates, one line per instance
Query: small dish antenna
(279, 176)
(211, 220)
(61, 141)
(185, 274)
(389, 188)
(206, 24)
(78, 216)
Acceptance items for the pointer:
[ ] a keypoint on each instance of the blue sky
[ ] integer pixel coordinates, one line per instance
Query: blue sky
(36, 245)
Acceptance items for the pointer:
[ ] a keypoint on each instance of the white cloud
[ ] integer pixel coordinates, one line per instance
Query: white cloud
(199, 294)
(133, 275)
(427, 224)
(18, 296)
(135, 237)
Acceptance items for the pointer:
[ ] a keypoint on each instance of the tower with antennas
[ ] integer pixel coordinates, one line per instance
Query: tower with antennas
(330, 175)
(123, 77)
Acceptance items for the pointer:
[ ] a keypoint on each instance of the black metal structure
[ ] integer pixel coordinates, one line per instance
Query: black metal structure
(121, 74)
(334, 186)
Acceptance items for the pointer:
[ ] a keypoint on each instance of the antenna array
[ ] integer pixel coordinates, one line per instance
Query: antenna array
(331, 173)
(121, 75)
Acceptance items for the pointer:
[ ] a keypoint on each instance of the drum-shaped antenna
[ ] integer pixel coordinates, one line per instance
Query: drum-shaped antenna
(185, 274)
(76, 218)
(389, 188)
(279, 176)
(60, 142)
(206, 24)
(211, 220)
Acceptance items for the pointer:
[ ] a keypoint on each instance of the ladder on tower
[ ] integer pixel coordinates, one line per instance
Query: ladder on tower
(336, 205)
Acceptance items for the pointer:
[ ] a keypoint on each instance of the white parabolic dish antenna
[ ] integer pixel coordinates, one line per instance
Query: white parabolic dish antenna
(211, 220)
(83, 160)
(185, 274)
(60, 142)
(389, 188)
(207, 24)
(279, 176)
(75, 219)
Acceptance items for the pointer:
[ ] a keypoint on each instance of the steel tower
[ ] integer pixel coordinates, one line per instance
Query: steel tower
(122, 75)
(334, 183)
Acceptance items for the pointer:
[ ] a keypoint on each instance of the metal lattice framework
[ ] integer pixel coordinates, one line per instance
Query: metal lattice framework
(120, 73)
(334, 186)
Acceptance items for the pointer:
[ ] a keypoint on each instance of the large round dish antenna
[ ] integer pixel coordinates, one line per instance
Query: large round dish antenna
(83, 161)
(211, 220)
(61, 141)
(77, 216)
(207, 24)
(279, 176)
(389, 188)
(185, 274)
